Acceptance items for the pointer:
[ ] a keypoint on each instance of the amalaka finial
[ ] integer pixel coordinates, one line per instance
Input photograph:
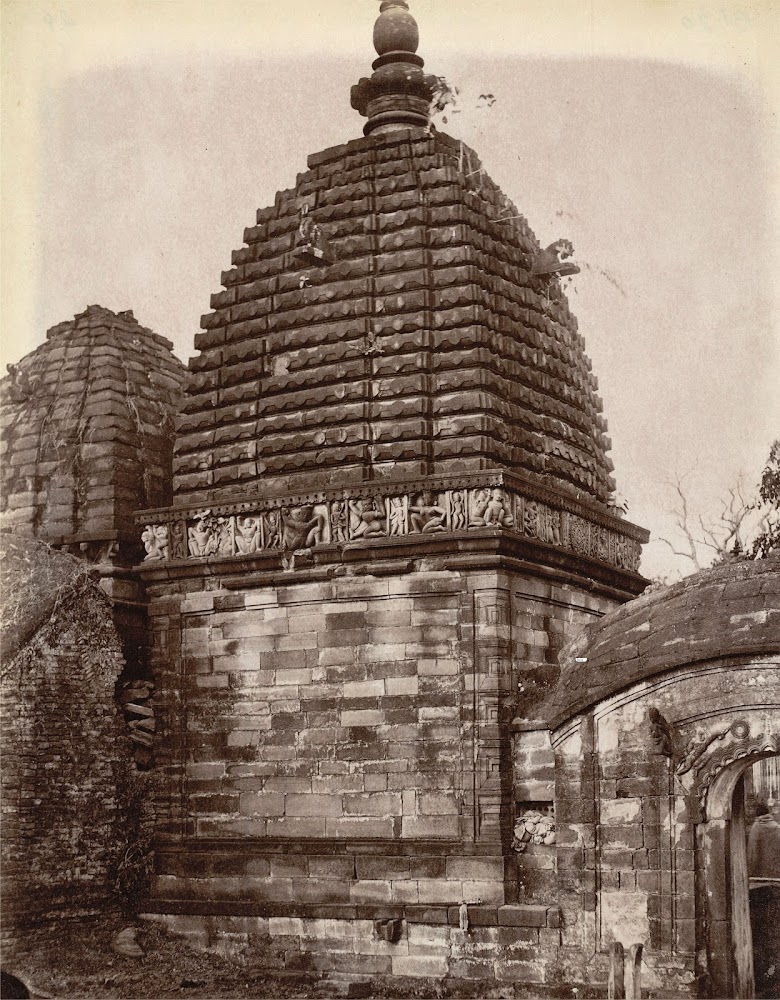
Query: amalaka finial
(398, 94)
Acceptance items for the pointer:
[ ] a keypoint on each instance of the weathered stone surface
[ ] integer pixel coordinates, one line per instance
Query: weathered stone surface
(674, 696)
(694, 620)
(87, 421)
(427, 313)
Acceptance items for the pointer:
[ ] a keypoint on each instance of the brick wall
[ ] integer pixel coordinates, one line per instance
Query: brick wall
(63, 743)
(656, 704)
(87, 420)
(86, 428)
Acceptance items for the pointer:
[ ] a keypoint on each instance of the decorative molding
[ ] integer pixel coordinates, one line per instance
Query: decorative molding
(707, 759)
(231, 501)
(290, 524)
(700, 743)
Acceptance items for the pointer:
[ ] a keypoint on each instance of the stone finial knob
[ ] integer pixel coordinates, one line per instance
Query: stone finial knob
(395, 29)
(398, 94)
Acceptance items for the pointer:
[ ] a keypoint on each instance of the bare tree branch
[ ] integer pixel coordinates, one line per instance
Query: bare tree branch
(705, 540)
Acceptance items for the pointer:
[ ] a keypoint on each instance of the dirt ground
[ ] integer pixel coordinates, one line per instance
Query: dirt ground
(74, 960)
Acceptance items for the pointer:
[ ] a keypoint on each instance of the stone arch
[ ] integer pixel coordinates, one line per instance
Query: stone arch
(722, 836)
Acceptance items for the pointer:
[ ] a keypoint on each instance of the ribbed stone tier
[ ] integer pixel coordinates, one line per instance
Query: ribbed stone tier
(382, 322)
(87, 421)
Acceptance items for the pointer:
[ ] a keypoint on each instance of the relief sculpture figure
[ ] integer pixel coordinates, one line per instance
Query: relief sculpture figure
(497, 511)
(425, 514)
(155, 539)
(272, 530)
(491, 510)
(458, 507)
(479, 504)
(179, 540)
(338, 521)
(202, 539)
(247, 534)
(224, 536)
(531, 518)
(397, 516)
(301, 528)
(367, 519)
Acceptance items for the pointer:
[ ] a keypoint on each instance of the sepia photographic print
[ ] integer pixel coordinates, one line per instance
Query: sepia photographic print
(390, 521)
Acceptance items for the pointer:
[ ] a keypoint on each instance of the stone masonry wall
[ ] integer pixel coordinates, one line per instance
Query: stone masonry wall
(318, 711)
(339, 751)
(631, 792)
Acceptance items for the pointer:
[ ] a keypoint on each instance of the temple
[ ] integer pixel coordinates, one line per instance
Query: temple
(382, 639)
(391, 510)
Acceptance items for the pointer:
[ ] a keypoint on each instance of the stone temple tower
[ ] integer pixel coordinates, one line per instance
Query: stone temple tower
(390, 511)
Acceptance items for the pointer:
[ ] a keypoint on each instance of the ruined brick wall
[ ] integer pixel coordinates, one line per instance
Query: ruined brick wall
(64, 751)
(631, 864)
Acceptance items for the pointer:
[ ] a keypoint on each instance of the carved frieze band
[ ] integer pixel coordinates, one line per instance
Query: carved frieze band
(294, 526)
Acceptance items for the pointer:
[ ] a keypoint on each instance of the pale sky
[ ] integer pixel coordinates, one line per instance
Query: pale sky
(140, 137)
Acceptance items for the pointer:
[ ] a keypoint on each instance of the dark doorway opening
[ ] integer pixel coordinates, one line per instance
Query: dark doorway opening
(762, 810)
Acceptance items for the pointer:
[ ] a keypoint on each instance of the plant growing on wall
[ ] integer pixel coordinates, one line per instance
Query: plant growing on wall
(767, 539)
(135, 867)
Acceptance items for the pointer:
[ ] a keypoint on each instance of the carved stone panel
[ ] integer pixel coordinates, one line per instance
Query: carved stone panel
(293, 524)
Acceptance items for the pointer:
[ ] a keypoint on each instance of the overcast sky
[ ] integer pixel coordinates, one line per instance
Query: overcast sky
(140, 138)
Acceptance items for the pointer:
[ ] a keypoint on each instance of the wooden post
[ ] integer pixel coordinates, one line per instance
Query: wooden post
(634, 982)
(744, 981)
(615, 988)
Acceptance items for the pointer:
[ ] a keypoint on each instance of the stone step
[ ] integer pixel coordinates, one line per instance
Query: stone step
(347, 984)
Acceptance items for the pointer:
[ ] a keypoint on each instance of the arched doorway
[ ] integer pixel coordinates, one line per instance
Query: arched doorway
(724, 839)
(762, 810)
